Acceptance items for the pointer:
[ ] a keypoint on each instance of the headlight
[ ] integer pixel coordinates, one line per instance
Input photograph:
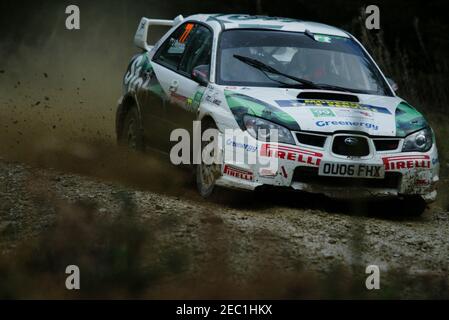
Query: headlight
(419, 141)
(265, 130)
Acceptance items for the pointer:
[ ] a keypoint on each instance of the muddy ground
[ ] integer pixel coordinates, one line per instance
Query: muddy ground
(296, 239)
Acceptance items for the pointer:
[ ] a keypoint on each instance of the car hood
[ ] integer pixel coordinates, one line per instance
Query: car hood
(326, 111)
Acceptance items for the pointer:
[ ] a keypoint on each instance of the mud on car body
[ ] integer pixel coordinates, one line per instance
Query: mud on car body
(342, 129)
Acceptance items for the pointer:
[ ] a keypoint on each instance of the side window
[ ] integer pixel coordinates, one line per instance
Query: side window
(198, 51)
(172, 50)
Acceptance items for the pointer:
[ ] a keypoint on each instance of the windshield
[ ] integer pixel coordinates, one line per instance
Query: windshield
(321, 59)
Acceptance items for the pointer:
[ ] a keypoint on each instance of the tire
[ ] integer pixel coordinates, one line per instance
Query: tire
(206, 175)
(132, 133)
(413, 206)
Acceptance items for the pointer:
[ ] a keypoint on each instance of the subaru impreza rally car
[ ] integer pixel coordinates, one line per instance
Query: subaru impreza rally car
(341, 129)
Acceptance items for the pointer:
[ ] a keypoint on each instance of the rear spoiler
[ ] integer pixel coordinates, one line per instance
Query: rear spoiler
(140, 39)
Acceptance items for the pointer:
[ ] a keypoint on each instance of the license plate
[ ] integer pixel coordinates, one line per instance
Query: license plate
(356, 170)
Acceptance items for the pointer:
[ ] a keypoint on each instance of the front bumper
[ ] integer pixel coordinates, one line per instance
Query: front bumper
(248, 164)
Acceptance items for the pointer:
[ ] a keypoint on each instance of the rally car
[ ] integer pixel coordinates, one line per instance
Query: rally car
(340, 128)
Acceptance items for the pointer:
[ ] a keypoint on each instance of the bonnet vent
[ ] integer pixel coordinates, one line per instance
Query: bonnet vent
(328, 96)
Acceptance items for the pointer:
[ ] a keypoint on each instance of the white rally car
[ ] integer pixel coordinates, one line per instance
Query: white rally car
(341, 129)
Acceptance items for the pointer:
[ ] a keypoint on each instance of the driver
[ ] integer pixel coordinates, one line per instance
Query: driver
(313, 66)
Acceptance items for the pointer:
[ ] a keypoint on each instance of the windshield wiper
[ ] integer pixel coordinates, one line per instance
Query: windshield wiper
(266, 68)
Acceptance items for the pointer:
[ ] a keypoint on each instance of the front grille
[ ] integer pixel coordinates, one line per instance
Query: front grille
(354, 146)
(386, 144)
(311, 139)
(310, 175)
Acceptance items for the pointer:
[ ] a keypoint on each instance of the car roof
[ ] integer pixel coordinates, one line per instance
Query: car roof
(245, 21)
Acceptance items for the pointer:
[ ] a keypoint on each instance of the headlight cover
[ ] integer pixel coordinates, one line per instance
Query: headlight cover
(420, 141)
(263, 130)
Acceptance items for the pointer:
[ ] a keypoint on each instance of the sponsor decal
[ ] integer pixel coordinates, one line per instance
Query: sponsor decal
(422, 182)
(322, 38)
(317, 113)
(213, 99)
(142, 25)
(435, 161)
(291, 153)
(408, 120)
(178, 97)
(245, 146)
(354, 113)
(238, 173)
(134, 77)
(259, 26)
(284, 172)
(195, 102)
(331, 103)
(227, 18)
(267, 173)
(406, 162)
(241, 104)
(141, 76)
(348, 123)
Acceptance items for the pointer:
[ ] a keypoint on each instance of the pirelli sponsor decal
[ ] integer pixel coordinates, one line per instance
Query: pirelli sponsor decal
(238, 173)
(332, 104)
(406, 162)
(291, 153)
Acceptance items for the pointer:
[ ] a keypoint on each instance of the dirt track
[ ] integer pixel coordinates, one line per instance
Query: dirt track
(290, 233)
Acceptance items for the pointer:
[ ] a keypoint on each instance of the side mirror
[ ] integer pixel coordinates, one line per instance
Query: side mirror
(393, 84)
(200, 74)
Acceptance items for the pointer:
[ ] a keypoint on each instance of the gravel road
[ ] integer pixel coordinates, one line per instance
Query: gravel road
(243, 233)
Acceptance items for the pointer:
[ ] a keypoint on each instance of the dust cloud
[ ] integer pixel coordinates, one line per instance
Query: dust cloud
(59, 90)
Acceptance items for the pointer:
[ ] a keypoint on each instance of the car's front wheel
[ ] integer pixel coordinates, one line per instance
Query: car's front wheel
(413, 206)
(207, 174)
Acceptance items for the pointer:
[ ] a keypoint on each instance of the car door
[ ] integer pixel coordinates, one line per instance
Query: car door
(174, 73)
(152, 96)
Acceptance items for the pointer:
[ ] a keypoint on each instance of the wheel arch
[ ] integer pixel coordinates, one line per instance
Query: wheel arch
(204, 117)
(128, 102)
(208, 117)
